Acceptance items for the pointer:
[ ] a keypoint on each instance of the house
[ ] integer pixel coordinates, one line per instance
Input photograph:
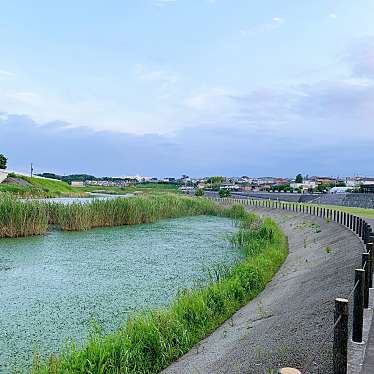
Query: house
(304, 186)
(77, 183)
(323, 180)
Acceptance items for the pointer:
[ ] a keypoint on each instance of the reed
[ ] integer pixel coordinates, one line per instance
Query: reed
(18, 218)
(27, 217)
(149, 341)
(128, 211)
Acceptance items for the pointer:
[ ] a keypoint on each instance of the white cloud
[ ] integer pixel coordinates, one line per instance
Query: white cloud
(278, 20)
(333, 15)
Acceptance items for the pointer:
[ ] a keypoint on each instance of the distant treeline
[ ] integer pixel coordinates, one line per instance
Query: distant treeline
(82, 178)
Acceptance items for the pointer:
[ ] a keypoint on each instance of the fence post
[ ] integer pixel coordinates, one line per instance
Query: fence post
(369, 249)
(365, 266)
(340, 336)
(358, 306)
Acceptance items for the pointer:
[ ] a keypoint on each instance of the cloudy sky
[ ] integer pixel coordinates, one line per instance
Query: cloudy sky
(202, 87)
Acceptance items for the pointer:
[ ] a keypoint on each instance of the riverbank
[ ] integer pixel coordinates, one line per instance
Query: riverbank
(150, 341)
(287, 322)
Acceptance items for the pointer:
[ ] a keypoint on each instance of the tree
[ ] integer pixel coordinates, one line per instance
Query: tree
(299, 178)
(3, 161)
(199, 192)
(224, 193)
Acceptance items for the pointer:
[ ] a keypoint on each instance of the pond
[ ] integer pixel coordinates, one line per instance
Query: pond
(54, 287)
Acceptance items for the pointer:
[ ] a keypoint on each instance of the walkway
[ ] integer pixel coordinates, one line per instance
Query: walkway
(288, 320)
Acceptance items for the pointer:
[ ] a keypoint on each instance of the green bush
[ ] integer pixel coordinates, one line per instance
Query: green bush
(199, 192)
(224, 193)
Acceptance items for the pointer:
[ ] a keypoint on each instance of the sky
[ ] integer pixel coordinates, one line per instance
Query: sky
(197, 87)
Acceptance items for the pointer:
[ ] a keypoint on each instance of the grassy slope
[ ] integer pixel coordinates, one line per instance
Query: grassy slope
(150, 341)
(40, 188)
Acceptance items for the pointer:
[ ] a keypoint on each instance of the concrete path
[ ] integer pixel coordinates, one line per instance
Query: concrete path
(286, 323)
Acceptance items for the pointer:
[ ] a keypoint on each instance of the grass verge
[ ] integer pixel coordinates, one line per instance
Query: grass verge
(150, 341)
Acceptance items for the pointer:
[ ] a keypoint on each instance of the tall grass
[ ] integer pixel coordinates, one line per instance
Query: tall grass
(128, 211)
(23, 218)
(20, 219)
(150, 341)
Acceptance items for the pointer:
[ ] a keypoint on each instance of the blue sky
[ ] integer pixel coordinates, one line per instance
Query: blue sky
(163, 87)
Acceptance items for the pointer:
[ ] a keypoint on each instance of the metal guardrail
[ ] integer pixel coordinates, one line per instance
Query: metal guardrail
(362, 283)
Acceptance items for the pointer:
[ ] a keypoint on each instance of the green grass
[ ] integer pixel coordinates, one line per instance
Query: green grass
(149, 341)
(24, 218)
(51, 186)
(361, 212)
(128, 211)
(55, 188)
(41, 188)
(18, 218)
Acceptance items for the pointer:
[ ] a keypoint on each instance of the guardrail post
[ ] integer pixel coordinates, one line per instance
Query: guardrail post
(358, 306)
(365, 266)
(340, 336)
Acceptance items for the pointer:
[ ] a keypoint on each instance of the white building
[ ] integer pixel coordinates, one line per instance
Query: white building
(305, 185)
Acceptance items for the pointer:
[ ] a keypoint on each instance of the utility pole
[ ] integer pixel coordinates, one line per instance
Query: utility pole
(31, 170)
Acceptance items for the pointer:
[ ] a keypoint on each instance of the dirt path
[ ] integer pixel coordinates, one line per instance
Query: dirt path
(288, 320)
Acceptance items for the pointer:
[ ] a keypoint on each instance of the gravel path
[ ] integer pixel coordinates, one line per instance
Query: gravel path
(288, 320)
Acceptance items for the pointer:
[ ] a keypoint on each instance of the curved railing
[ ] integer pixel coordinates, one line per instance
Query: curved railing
(363, 276)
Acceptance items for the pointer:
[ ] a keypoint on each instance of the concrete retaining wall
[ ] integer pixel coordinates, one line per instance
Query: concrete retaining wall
(3, 175)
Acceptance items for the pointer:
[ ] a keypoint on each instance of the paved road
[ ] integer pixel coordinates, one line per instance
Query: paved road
(288, 320)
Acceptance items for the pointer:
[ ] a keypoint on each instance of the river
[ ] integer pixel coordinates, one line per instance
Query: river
(53, 287)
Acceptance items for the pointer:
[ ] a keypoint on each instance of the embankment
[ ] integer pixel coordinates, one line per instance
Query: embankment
(287, 322)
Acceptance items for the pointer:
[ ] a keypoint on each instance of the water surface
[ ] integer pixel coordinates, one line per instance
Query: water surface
(53, 287)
